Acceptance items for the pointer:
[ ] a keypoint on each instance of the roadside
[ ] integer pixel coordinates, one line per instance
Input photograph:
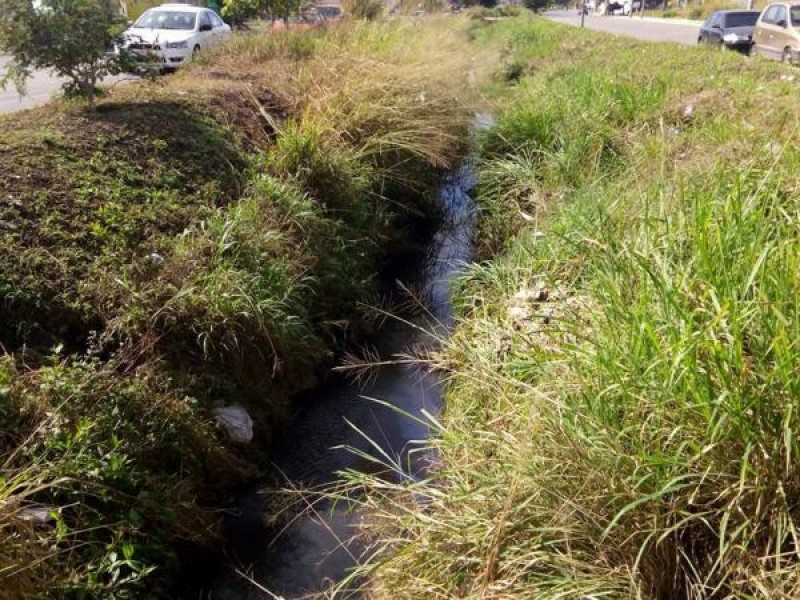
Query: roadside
(622, 395)
(648, 28)
(176, 266)
(675, 20)
(42, 87)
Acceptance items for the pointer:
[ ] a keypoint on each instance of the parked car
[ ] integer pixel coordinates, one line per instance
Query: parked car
(329, 11)
(777, 33)
(172, 34)
(732, 29)
(619, 7)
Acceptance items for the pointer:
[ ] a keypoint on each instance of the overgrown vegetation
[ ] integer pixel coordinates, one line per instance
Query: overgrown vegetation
(238, 12)
(699, 11)
(622, 404)
(197, 242)
(504, 10)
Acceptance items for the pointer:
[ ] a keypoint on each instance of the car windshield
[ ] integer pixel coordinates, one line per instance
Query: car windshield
(166, 19)
(741, 19)
(795, 15)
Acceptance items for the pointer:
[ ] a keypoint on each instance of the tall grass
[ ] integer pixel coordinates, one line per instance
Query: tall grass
(622, 399)
(217, 256)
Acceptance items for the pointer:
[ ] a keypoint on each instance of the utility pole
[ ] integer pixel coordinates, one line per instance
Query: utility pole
(583, 11)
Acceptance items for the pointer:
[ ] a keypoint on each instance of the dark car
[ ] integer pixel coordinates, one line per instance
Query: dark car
(731, 29)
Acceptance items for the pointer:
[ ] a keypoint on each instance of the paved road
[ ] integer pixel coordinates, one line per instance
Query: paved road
(645, 29)
(39, 89)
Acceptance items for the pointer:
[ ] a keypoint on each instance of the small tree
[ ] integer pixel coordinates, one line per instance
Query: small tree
(239, 11)
(75, 38)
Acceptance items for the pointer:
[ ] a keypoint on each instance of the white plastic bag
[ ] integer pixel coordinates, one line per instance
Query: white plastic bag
(236, 423)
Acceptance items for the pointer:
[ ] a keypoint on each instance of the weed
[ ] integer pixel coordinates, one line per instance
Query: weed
(622, 398)
(161, 256)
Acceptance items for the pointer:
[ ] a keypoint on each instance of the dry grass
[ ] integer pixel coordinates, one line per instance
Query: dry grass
(200, 239)
(376, 88)
(622, 396)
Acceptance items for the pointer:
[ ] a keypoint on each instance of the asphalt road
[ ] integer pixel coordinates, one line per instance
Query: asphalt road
(39, 89)
(644, 29)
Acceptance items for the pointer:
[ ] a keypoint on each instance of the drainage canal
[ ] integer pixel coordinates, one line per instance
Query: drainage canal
(377, 423)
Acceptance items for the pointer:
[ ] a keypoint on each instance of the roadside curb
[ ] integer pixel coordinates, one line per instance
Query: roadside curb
(685, 22)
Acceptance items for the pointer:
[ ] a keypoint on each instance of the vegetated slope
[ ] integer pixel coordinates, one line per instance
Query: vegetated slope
(622, 415)
(200, 241)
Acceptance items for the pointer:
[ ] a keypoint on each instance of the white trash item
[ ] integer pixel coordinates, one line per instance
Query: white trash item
(236, 422)
(38, 515)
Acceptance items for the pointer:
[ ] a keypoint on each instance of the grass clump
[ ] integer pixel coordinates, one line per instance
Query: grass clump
(201, 241)
(89, 458)
(502, 11)
(622, 393)
(698, 12)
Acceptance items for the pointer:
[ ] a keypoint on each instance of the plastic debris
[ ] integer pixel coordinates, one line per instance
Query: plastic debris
(236, 423)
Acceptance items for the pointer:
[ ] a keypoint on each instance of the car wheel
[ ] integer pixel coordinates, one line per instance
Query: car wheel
(195, 51)
(700, 40)
(787, 56)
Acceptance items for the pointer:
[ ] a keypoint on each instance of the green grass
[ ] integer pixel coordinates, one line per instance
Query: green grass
(622, 404)
(206, 239)
(700, 11)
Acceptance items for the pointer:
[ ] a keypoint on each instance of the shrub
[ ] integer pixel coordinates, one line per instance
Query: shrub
(100, 470)
(73, 37)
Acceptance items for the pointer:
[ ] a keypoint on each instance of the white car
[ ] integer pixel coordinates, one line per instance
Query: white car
(171, 34)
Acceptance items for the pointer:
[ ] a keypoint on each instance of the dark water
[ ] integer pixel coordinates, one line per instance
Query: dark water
(378, 425)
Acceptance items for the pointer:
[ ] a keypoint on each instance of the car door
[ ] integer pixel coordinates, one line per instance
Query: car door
(705, 29)
(764, 33)
(205, 29)
(781, 37)
(714, 34)
(794, 28)
(220, 30)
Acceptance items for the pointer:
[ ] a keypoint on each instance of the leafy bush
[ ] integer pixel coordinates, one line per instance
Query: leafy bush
(72, 37)
(96, 468)
(536, 5)
(505, 10)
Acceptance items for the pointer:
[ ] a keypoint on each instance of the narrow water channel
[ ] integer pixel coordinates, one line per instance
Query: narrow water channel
(348, 425)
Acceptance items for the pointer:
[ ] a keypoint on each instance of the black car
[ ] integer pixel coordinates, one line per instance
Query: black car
(731, 29)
